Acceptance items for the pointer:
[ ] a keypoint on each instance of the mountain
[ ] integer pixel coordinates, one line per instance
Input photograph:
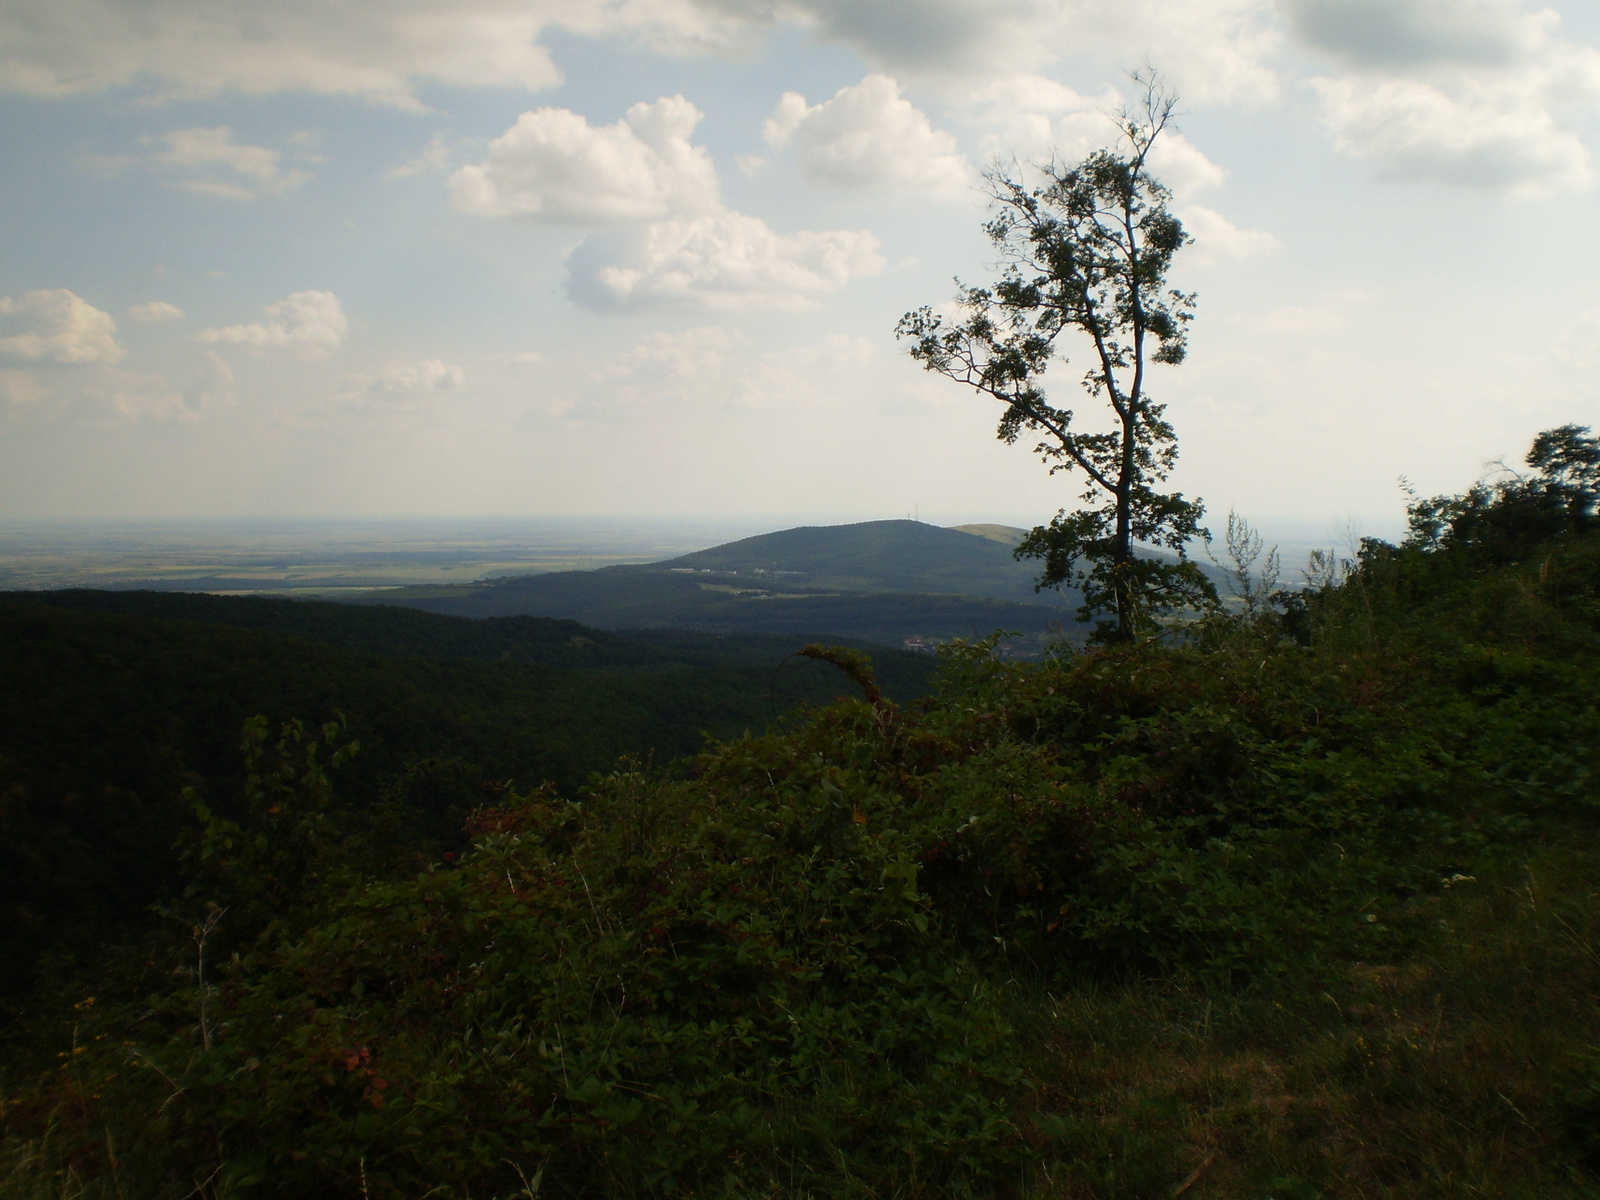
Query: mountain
(875, 556)
(1006, 535)
(880, 581)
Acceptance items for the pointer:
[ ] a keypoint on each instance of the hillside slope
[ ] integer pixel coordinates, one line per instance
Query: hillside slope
(111, 704)
(875, 556)
(878, 581)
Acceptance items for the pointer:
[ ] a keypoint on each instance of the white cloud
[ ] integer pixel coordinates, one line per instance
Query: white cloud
(57, 326)
(214, 387)
(369, 48)
(382, 51)
(1485, 135)
(150, 400)
(812, 376)
(1503, 68)
(709, 366)
(553, 166)
(19, 389)
(1182, 166)
(867, 136)
(674, 244)
(426, 375)
(1217, 238)
(688, 355)
(722, 261)
(1460, 92)
(311, 323)
(154, 311)
(1029, 116)
(229, 168)
(686, 366)
(1410, 33)
(435, 156)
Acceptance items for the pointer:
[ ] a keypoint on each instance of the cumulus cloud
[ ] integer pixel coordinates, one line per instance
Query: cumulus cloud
(382, 51)
(57, 326)
(368, 48)
(723, 260)
(1183, 166)
(1485, 135)
(418, 378)
(1031, 117)
(869, 136)
(1459, 92)
(154, 311)
(672, 242)
(311, 323)
(227, 167)
(553, 166)
(1217, 238)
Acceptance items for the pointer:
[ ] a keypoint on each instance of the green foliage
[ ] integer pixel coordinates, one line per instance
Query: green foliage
(262, 868)
(1087, 252)
(1242, 913)
(1500, 522)
(113, 704)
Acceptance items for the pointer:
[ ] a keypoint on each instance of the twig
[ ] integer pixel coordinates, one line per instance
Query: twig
(202, 933)
(116, 1175)
(597, 918)
(1194, 1176)
(530, 1187)
(200, 1187)
(177, 1089)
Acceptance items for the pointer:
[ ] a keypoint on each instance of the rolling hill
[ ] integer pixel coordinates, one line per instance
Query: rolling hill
(880, 581)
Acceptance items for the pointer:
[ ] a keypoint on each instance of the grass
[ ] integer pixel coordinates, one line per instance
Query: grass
(1457, 1070)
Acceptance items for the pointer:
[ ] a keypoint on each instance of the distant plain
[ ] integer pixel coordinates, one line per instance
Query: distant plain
(321, 557)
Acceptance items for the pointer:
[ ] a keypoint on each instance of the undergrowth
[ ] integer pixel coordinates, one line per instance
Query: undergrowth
(1295, 904)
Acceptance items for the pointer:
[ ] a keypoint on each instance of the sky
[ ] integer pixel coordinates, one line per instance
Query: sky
(645, 258)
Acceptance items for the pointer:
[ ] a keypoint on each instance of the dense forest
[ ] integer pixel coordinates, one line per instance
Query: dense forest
(1293, 899)
(113, 704)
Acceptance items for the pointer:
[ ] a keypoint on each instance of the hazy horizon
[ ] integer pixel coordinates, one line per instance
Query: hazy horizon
(328, 555)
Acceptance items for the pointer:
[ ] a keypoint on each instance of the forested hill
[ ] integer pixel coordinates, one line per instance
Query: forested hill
(878, 581)
(412, 633)
(875, 556)
(111, 704)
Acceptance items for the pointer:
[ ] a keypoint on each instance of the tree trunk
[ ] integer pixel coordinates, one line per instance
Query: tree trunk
(1122, 548)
